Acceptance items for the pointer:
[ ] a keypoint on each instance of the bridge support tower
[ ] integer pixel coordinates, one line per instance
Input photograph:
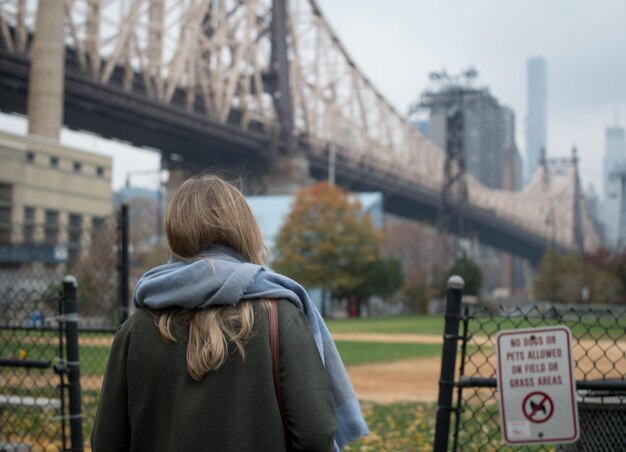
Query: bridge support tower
(453, 96)
(45, 84)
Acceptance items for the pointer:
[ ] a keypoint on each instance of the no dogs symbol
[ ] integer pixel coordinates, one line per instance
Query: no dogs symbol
(538, 407)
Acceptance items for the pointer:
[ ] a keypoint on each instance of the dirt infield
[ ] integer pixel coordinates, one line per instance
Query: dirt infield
(413, 380)
(417, 379)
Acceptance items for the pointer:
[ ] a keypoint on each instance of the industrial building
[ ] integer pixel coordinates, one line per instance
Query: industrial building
(50, 196)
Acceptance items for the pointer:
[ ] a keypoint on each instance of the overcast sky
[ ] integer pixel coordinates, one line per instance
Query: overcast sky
(398, 42)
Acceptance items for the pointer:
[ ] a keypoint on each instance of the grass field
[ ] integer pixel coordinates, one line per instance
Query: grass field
(607, 325)
(394, 427)
(413, 324)
(353, 353)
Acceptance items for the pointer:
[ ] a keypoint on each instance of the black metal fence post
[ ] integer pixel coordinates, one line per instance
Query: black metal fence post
(448, 362)
(73, 364)
(124, 264)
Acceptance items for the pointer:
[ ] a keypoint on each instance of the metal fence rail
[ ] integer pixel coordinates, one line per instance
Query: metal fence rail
(599, 348)
(30, 398)
(46, 388)
(40, 403)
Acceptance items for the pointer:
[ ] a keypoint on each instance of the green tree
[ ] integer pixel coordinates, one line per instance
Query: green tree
(612, 262)
(470, 272)
(546, 285)
(327, 241)
(561, 277)
(381, 277)
(417, 295)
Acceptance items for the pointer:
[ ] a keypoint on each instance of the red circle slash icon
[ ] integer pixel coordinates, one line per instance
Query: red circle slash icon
(538, 407)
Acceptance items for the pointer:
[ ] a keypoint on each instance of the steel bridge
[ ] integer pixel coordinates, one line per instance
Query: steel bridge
(244, 84)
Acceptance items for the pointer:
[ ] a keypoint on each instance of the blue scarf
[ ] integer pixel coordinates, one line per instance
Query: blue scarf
(219, 276)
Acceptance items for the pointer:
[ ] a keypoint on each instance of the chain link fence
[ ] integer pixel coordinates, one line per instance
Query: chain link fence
(599, 351)
(33, 262)
(34, 259)
(30, 396)
(40, 403)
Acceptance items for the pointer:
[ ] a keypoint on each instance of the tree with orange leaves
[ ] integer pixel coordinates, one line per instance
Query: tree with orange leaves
(326, 241)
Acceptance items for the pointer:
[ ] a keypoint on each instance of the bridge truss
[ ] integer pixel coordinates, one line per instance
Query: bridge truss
(218, 58)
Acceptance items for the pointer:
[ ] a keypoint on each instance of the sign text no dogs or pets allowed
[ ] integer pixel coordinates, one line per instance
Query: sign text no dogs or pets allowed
(536, 386)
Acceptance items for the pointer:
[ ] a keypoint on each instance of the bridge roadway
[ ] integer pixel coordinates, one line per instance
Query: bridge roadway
(112, 112)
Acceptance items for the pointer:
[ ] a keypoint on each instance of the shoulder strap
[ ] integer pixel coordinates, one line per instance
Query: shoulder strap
(274, 346)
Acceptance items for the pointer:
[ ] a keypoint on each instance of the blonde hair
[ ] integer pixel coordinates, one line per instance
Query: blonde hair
(206, 210)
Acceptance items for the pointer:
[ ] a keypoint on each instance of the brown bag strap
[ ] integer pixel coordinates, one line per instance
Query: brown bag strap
(274, 346)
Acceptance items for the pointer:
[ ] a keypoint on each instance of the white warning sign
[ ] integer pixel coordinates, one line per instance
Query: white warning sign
(536, 386)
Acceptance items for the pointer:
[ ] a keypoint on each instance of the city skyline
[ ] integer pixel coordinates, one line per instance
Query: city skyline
(585, 47)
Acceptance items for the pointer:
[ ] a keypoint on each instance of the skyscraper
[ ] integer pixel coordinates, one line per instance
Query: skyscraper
(513, 169)
(536, 120)
(614, 158)
(483, 137)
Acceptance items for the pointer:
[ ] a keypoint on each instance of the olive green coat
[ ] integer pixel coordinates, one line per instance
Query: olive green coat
(150, 403)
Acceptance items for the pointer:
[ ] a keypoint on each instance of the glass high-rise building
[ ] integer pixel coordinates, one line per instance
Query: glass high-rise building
(614, 159)
(483, 136)
(536, 119)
